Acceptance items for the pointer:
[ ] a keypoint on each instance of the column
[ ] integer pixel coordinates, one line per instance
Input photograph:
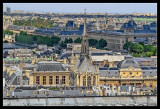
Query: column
(41, 80)
(67, 81)
(86, 80)
(77, 79)
(34, 79)
(47, 80)
(54, 80)
(92, 80)
(60, 80)
(96, 80)
(81, 80)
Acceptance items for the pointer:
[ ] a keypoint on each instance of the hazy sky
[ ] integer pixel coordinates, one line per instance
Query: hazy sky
(79, 7)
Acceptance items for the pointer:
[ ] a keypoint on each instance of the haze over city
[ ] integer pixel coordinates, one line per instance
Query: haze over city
(79, 7)
(80, 54)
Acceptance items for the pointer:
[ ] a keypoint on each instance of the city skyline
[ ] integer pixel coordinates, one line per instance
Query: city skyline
(122, 8)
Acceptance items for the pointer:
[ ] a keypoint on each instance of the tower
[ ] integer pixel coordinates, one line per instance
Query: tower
(85, 46)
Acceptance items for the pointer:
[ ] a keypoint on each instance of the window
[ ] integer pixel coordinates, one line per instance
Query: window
(130, 73)
(37, 80)
(151, 85)
(57, 79)
(94, 80)
(44, 80)
(137, 72)
(50, 80)
(63, 79)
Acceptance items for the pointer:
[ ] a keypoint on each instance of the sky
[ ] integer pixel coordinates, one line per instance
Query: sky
(79, 7)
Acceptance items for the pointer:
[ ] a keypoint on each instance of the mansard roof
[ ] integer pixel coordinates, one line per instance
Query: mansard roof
(128, 62)
(50, 66)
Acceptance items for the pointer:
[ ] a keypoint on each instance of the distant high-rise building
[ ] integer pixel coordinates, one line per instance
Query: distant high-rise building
(8, 9)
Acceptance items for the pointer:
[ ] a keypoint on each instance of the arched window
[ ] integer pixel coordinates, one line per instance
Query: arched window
(84, 81)
(88, 81)
(94, 80)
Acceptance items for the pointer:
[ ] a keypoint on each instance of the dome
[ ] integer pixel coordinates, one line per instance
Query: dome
(127, 62)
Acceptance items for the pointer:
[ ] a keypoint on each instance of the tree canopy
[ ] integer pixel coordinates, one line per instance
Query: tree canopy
(78, 40)
(39, 23)
(139, 49)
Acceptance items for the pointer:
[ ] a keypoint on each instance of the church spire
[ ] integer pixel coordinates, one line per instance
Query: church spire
(84, 29)
(84, 46)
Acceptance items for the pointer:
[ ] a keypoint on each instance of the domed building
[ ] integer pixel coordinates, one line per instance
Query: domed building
(130, 69)
(128, 72)
(128, 62)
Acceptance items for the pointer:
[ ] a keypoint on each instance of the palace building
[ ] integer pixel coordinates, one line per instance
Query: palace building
(129, 72)
(51, 74)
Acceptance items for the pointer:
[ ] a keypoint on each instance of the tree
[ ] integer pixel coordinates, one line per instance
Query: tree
(55, 40)
(102, 43)
(138, 48)
(155, 51)
(141, 43)
(78, 40)
(149, 48)
(93, 42)
(5, 41)
(128, 45)
(149, 54)
(66, 40)
(70, 40)
(63, 45)
(23, 33)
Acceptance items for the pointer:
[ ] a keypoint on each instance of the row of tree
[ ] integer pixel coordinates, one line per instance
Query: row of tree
(99, 44)
(23, 37)
(139, 49)
(39, 23)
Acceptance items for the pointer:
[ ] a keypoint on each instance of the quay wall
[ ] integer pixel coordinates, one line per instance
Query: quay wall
(84, 101)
